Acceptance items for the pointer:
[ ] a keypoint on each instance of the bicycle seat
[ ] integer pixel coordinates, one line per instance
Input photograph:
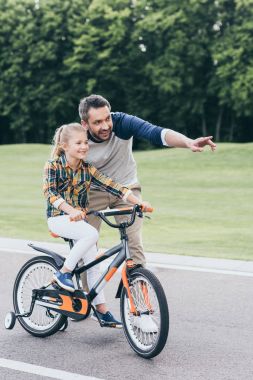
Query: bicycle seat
(54, 235)
(58, 236)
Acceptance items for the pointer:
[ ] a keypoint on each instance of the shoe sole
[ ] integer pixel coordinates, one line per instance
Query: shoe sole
(65, 287)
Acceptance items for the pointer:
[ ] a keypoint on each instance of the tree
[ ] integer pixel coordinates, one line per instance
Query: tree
(233, 57)
(182, 64)
(35, 96)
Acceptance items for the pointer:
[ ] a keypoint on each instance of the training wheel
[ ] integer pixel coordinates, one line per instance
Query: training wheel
(10, 320)
(64, 326)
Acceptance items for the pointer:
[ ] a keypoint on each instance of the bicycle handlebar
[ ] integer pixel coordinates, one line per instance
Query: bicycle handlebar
(136, 209)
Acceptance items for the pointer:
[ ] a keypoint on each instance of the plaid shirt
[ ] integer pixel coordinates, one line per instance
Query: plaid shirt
(63, 183)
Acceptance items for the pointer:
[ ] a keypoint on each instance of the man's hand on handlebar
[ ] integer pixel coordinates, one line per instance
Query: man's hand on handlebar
(146, 206)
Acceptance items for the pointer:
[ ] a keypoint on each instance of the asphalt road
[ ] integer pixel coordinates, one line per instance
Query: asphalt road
(211, 333)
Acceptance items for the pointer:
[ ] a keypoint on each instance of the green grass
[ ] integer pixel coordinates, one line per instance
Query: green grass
(203, 202)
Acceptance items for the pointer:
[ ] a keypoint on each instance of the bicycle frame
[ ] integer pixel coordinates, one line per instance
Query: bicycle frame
(123, 254)
(143, 305)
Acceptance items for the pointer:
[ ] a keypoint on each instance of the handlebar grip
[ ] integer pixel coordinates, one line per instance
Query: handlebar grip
(147, 209)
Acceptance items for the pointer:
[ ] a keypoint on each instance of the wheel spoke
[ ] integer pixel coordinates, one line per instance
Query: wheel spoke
(143, 339)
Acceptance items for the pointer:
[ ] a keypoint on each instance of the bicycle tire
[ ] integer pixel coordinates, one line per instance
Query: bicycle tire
(146, 344)
(34, 274)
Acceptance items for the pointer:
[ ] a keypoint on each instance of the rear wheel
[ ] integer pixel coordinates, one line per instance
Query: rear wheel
(35, 274)
(147, 331)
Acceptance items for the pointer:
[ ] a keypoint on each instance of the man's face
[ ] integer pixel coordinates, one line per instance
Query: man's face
(99, 123)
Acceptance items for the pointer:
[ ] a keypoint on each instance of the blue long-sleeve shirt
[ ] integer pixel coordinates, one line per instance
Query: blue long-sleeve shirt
(126, 126)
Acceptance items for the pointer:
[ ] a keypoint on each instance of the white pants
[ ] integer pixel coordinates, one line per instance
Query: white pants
(85, 247)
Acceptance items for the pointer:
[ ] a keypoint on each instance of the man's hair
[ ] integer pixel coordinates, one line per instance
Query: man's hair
(92, 101)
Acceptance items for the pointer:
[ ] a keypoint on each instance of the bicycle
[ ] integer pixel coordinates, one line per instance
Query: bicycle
(43, 308)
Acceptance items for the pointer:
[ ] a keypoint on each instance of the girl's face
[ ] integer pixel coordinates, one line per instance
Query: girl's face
(77, 146)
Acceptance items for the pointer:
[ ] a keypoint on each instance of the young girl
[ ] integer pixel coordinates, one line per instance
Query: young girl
(67, 180)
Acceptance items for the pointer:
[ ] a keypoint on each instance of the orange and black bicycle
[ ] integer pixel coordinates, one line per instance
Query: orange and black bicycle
(42, 308)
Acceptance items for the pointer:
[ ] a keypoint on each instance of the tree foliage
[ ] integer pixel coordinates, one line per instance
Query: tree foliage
(182, 64)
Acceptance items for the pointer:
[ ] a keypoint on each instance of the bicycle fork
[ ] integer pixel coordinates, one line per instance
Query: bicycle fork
(143, 288)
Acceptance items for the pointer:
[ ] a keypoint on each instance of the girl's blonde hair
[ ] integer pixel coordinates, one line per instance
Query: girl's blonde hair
(62, 135)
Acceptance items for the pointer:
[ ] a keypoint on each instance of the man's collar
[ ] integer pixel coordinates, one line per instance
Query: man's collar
(92, 138)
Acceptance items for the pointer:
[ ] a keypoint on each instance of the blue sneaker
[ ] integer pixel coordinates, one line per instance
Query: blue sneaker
(107, 320)
(64, 280)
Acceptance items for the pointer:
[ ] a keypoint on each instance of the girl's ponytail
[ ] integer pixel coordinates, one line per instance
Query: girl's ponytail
(57, 150)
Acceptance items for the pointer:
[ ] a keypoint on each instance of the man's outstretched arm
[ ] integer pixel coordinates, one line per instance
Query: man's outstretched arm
(178, 140)
(127, 126)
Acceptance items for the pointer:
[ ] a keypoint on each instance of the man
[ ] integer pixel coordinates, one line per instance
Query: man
(110, 140)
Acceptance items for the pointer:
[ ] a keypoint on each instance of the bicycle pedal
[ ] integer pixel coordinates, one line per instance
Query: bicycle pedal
(106, 324)
(115, 326)
(103, 323)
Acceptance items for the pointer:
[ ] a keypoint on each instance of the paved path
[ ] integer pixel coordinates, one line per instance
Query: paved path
(211, 330)
(235, 267)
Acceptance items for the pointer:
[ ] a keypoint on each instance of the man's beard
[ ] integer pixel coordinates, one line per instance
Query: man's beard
(96, 138)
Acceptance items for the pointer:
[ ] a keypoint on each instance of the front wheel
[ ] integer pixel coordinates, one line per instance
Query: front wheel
(147, 330)
(36, 273)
